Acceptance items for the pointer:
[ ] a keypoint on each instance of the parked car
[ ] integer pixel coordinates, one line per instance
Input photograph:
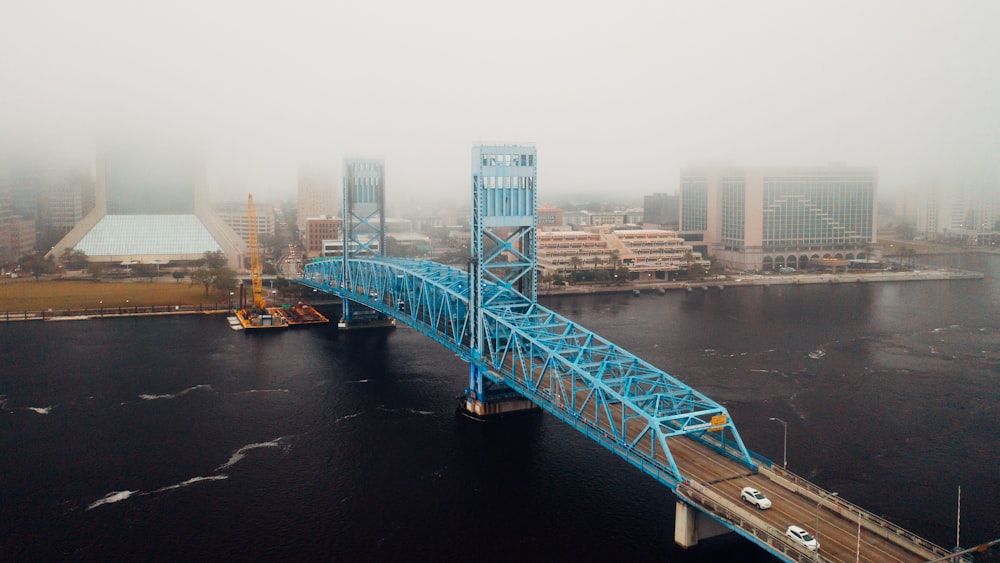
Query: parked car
(802, 537)
(754, 497)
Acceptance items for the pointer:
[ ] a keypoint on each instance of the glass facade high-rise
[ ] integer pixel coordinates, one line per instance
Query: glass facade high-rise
(733, 212)
(803, 212)
(694, 202)
(773, 217)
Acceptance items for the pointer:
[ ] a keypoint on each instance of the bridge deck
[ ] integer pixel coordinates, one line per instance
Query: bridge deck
(714, 481)
(673, 445)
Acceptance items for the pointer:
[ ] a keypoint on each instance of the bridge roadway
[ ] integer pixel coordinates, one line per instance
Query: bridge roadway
(709, 472)
(713, 481)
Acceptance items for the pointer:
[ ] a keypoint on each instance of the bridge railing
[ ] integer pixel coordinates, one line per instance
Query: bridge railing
(716, 504)
(871, 522)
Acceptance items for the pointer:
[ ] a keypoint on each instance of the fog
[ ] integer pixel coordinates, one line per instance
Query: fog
(616, 96)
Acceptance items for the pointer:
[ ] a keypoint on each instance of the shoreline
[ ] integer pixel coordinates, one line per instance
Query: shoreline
(636, 287)
(767, 280)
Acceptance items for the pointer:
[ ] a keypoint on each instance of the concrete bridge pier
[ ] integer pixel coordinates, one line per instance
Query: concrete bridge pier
(497, 406)
(692, 525)
(484, 399)
(357, 316)
(356, 324)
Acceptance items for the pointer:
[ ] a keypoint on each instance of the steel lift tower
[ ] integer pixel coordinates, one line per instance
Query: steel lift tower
(504, 222)
(364, 231)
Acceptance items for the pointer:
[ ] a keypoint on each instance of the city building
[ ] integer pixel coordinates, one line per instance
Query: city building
(767, 218)
(607, 218)
(661, 209)
(549, 217)
(237, 219)
(17, 232)
(317, 197)
(151, 206)
(633, 216)
(958, 209)
(576, 219)
(654, 253)
(563, 251)
(648, 254)
(320, 231)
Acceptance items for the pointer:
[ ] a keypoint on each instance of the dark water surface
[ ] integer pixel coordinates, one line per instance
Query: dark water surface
(177, 439)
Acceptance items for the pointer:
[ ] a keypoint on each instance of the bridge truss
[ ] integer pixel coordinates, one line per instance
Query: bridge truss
(489, 316)
(623, 402)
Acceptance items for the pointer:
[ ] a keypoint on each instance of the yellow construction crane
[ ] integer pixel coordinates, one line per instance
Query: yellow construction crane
(258, 285)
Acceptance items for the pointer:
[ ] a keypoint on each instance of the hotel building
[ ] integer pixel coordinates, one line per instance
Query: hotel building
(767, 218)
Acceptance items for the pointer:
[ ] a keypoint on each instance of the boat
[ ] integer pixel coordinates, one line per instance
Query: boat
(300, 314)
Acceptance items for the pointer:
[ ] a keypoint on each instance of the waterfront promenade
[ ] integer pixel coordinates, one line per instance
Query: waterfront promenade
(728, 280)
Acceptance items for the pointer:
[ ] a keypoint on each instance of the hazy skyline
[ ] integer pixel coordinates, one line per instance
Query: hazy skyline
(617, 98)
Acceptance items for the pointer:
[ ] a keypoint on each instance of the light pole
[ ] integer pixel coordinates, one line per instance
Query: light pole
(230, 301)
(784, 449)
(819, 502)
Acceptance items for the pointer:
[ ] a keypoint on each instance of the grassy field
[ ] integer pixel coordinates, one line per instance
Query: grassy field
(30, 295)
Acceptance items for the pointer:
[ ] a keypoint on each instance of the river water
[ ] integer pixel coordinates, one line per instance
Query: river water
(175, 438)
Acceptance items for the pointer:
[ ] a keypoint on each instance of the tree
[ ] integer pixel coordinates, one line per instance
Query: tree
(95, 269)
(215, 259)
(179, 275)
(38, 264)
(615, 259)
(574, 262)
(73, 259)
(714, 268)
(597, 261)
(203, 277)
(622, 273)
(906, 230)
(225, 279)
(696, 271)
(147, 271)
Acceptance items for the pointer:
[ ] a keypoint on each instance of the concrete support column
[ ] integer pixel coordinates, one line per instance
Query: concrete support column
(692, 525)
(484, 399)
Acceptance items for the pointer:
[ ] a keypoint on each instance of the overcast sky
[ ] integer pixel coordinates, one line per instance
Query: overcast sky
(617, 96)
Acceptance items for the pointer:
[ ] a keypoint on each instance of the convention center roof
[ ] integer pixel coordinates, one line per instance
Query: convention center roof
(132, 236)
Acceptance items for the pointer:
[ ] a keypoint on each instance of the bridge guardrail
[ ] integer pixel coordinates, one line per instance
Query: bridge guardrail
(704, 498)
(871, 522)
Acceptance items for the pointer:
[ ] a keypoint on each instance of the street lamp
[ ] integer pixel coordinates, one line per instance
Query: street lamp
(230, 300)
(784, 450)
(819, 502)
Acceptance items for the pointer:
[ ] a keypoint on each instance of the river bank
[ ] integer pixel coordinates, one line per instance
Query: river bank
(766, 280)
(78, 313)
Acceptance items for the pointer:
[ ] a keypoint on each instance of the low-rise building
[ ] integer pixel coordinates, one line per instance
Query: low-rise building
(319, 231)
(646, 253)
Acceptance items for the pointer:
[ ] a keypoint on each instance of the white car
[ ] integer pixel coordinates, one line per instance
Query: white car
(802, 537)
(754, 497)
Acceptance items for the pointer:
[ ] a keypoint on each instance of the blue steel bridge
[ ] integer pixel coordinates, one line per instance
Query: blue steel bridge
(668, 430)
(523, 355)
